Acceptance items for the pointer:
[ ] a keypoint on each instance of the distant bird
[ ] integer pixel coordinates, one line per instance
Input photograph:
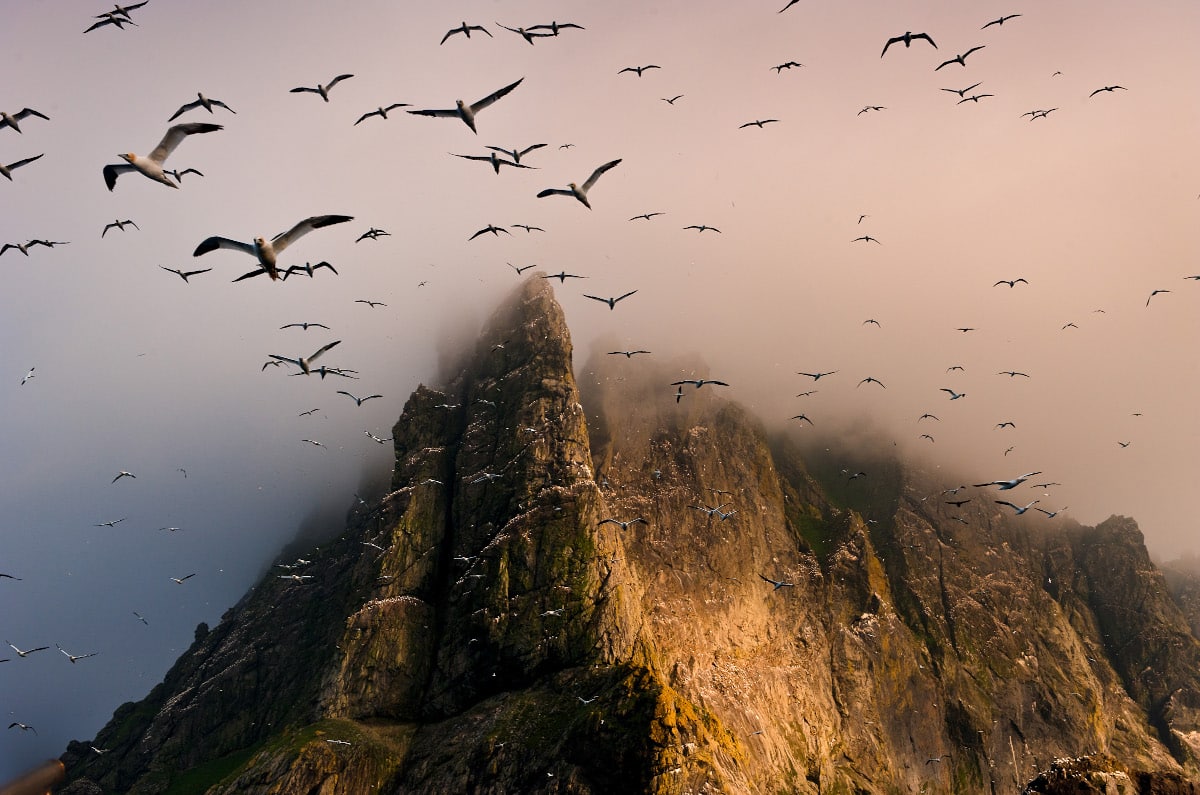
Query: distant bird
(6, 171)
(1017, 508)
(304, 326)
(871, 380)
(777, 583)
(699, 382)
(974, 98)
(965, 329)
(1005, 424)
(312, 442)
(307, 268)
(110, 20)
(818, 376)
(868, 108)
(371, 304)
(757, 123)
(953, 367)
(803, 418)
(177, 175)
(927, 436)
(626, 354)
(806, 394)
(1005, 485)
(580, 191)
(1156, 292)
(526, 34)
(201, 101)
(267, 252)
(562, 277)
(1106, 88)
(1045, 485)
(1009, 450)
(961, 59)
(678, 394)
(377, 439)
(789, 65)
(872, 322)
(1000, 21)
(24, 247)
(522, 268)
(151, 165)
(515, 154)
(865, 239)
(672, 100)
(9, 577)
(184, 274)
(789, 5)
(1070, 325)
(120, 225)
(305, 364)
(11, 119)
(381, 112)
(907, 38)
(958, 503)
(1050, 514)
(1038, 114)
(495, 230)
(357, 400)
(962, 92)
(179, 580)
(1123, 444)
(467, 112)
(612, 302)
(124, 474)
(702, 228)
(639, 69)
(527, 227)
(139, 618)
(122, 11)
(1012, 373)
(170, 529)
(22, 726)
(1010, 282)
(74, 657)
(555, 26)
(28, 376)
(623, 525)
(495, 161)
(25, 653)
(111, 523)
(645, 216)
(465, 29)
(322, 90)
(954, 395)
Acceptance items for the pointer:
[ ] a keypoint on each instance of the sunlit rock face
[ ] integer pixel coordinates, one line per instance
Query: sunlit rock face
(752, 620)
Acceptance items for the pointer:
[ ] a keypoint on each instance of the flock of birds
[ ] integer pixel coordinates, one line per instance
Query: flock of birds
(267, 252)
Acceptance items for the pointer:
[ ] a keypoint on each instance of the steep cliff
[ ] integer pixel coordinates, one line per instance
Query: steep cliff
(482, 628)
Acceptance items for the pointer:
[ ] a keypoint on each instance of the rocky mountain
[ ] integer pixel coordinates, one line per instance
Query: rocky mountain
(595, 588)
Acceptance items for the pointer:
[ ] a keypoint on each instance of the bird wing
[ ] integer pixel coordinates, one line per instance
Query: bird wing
(973, 49)
(631, 292)
(29, 112)
(596, 298)
(214, 243)
(186, 274)
(303, 88)
(185, 108)
(176, 134)
(451, 113)
(322, 350)
(368, 115)
(337, 80)
(282, 359)
(282, 241)
(529, 149)
(347, 394)
(490, 98)
(554, 192)
(112, 172)
(1009, 504)
(20, 163)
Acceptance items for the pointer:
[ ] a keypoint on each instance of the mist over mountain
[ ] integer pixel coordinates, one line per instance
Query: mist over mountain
(597, 587)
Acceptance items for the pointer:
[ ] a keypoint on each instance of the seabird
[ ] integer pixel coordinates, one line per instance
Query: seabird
(1156, 292)
(1005, 424)
(465, 29)
(872, 321)
(974, 98)
(562, 277)
(308, 268)
(554, 27)
(928, 416)
(6, 171)
(528, 228)
(622, 525)
(1005, 485)
(522, 268)
(10, 120)
(870, 107)
(304, 364)
(381, 112)
(373, 234)
(265, 252)
(139, 618)
(999, 21)
(1010, 282)
(357, 400)
(927, 436)
(907, 38)
(495, 230)
(201, 102)
(178, 175)
(179, 580)
(961, 60)
(779, 69)
(25, 653)
(526, 34)
(304, 326)
(111, 523)
(467, 112)
(626, 354)
(645, 216)
(1106, 88)
(672, 100)
(515, 154)
(579, 191)
(777, 583)
(757, 123)
(110, 19)
(612, 302)
(320, 89)
(120, 225)
(871, 380)
(123, 11)
(865, 239)
(22, 726)
(699, 382)
(152, 165)
(803, 418)
(1012, 373)
(818, 376)
(28, 376)
(74, 657)
(124, 474)
(1017, 508)
(639, 69)
(24, 247)
(378, 439)
(954, 395)
(962, 92)
(704, 228)
(369, 303)
(1050, 514)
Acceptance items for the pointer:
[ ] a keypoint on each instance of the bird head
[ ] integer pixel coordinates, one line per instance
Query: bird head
(128, 157)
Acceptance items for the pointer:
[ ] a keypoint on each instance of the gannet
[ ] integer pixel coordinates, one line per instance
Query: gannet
(24, 247)
(323, 91)
(526, 34)
(491, 158)
(962, 92)
(623, 525)
(1106, 88)
(515, 154)
(626, 354)
(818, 376)
(10, 120)
(110, 19)
(907, 38)
(1017, 508)
(467, 112)
(267, 252)
(562, 276)
(871, 380)
(124, 474)
(373, 233)
(672, 100)
(528, 228)
(139, 618)
(6, 171)
(25, 727)
(178, 175)
(954, 395)
(151, 165)
(495, 230)
(639, 69)
(645, 216)
(120, 225)
(777, 583)
(999, 21)
(790, 64)
(466, 29)
(123, 11)
(757, 123)
(699, 382)
(612, 302)
(358, 401)
(865, 239)
(304, 326)
(961, 60)
(704, 228)
(371, 304)
(381, 112)
(111, 523)
(520, 268)
(555, 27)
(869, 108)
(974, 98)
(74, 657)
(1010, 282)
(25, 653)
(28, 376)
(305, 364)
(1005, 485)
(308, 268)
(184, 274)
(1154, 293)
(179, 580)
(580, 191)
(201, 102)
(803, 419)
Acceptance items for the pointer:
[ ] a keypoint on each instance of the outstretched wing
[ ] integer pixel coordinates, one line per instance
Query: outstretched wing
(490, 98)
(214, 243)
(337, 80)
(284, 240)
(452, 113)
(313, 358)
(554, 192)
(596, 174)
(176, 134)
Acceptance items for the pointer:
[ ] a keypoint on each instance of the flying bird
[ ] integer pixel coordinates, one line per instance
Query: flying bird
(757, 123)
(867, 108)
(974, 98)
(1010, 282)
(639, 69)
(305, 364)
(789, 65)
(178, 175)
(25, 727)
(201, 102)
(357, 400)
(6, 171)
(871, 380)
(267, 252)
(1013, 373)
(928, 416)
(24, 247)
(962, 92)
(1017, 508)
(111, 523)
(74, 657)
(526, 34)
(954, 395)
(961, 60)
(307, 267)
(865, 239)
(777, 583)
(527, 227)
(381, 112)
(672, 100)
(623, 525)
(11, 119)
(495, 230)
(612, 302)
(907, 38)
(1005, 485)
(803, 419)
(1106, 88)
(701, 228)
(179, 580)
(818, 376)
(515, 154)
(467, 112)
(626, 354)
(139, 618)
(28, 376)
(562, 277)
(1005, 424)
(151, 165)
(25, 653)
(522, 268)
(184, 274)
(554, 27)
(1050, 514)
(120, 225)
(1000, 21)
(580, 191)
(369, 303)
(313, 442)
(645, 216)
(304, 326)
(110, 18)
(323, 91)
(465, 29)
(1156, 292)
(699, 382)
(495, 161)
(124, 474)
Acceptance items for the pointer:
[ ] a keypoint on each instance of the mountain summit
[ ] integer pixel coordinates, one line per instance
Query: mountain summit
(654, 596)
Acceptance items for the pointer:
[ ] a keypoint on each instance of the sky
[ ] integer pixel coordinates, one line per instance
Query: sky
(1094, 205)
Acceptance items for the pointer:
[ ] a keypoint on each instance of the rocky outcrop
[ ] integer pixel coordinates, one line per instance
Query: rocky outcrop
(750, 620)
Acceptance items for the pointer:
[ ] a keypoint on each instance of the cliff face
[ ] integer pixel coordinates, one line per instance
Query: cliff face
(482, 629)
